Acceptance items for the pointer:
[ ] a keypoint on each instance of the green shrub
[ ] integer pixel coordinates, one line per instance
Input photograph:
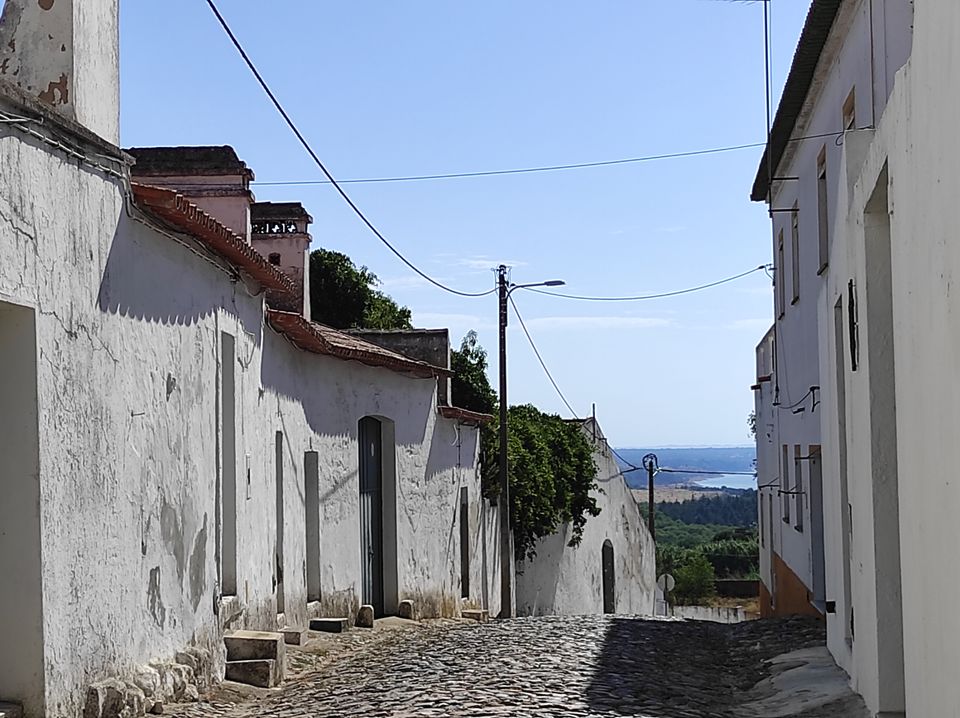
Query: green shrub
(695, 580)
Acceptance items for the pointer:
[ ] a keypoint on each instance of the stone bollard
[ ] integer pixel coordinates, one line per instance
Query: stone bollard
(365, 617)
(405, 610)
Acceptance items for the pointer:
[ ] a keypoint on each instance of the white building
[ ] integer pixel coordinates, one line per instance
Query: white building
(886, 337)
(611, 570)
(180, 457)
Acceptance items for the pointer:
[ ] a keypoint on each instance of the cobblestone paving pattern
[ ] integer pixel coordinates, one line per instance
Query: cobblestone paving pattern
(562, 667)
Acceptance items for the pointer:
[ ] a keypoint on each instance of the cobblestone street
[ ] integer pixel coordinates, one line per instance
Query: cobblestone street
(563, 667)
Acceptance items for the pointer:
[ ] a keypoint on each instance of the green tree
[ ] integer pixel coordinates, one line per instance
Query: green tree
(345, 296)
(470, 386)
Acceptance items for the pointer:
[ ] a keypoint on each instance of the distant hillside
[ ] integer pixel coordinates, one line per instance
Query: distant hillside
(710, 458)
(739, 509)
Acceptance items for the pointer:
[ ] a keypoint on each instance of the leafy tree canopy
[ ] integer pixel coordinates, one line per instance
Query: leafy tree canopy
(552, 473)
(549, 460)
(470, 385)
(345, 296)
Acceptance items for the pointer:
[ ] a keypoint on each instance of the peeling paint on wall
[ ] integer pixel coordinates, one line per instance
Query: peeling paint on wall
(157, 609)
(198, 566)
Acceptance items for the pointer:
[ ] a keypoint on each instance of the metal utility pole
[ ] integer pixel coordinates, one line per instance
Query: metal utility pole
(651, 465)
(506, 545)
(506, 552)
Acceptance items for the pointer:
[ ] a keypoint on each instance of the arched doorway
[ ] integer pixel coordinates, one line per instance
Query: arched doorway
(609, 579)
(378, 515)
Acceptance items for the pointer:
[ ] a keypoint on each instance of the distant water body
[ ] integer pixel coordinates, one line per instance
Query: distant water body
(729, 481)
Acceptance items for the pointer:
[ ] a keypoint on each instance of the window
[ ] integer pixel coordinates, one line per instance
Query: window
(822, 209)
(275, 258)
(778, 276)
(785, 484)
(798, 486)
(850, 111)
(795, 251)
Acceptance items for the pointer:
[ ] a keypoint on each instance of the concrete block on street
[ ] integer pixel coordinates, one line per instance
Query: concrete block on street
(329, 625)
(261, 672)
(294, 636)
(254, 645)
(481, 615)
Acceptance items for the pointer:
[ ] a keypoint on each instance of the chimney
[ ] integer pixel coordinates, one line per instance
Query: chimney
(66, 54)
(213, 178)
(280, 232)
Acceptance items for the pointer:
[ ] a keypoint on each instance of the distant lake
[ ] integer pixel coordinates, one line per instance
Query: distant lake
(729, 481)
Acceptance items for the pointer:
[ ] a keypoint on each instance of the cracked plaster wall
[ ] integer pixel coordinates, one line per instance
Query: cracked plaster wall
(128, 329)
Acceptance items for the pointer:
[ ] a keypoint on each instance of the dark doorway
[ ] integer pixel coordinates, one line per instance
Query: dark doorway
(311, 473)
(464, 544)
(609, 579)
(371, 513)
(278, 463)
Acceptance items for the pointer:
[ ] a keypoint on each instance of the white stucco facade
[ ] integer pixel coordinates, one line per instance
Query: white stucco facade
(565, 580)
(853, 78)
(158, 435)
(881, 195)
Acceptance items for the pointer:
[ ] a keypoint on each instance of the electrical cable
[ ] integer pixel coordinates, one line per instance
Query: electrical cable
(540, 359)
(538, 169)
(520, 170)
(678, 292)
(306, 145)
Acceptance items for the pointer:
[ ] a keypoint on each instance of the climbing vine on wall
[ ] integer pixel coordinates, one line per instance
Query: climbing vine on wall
(550, 461)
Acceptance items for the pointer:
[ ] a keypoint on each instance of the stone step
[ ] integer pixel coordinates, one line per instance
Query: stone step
(262, 673)
(293, 636)
(329, 625)
(11, 710)
(476, 614)
(255, 645)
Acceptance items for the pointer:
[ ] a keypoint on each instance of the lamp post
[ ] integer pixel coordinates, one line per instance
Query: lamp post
(506, 549)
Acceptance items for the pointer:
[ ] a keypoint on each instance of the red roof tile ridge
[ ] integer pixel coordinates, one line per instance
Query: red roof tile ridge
(198, 222)
(466, 415)
(338, 344)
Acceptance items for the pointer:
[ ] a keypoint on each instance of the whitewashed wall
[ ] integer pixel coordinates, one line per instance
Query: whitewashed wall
(870, 41)
(127, 337)
(564, 580)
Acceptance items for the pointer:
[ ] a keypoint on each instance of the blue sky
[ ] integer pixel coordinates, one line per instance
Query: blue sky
(406, 88)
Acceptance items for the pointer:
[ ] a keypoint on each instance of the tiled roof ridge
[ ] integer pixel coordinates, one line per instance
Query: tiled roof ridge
(170, 205)
(321, 339)
(464, 415)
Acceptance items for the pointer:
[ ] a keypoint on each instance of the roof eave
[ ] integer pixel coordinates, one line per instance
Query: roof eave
(813, 39)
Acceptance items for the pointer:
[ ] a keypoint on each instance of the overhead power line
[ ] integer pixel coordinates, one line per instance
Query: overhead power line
(330, 179)
(522, 170)
(540, 359)
(543, 168)
(643, 297)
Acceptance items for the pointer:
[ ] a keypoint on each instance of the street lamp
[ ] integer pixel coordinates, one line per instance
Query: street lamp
(506, 550)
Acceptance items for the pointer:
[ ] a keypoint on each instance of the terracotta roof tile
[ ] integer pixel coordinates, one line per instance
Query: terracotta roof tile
(320, 339)
(171, 207)
(464, 415)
